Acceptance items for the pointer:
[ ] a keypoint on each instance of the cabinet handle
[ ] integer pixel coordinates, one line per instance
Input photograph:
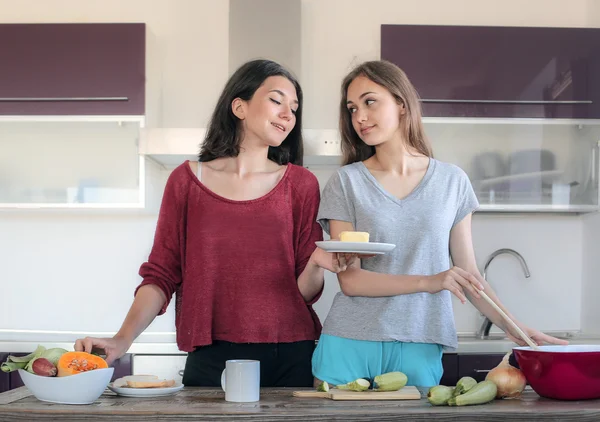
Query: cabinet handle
(55, 99)
(439, 100)
(481, 370)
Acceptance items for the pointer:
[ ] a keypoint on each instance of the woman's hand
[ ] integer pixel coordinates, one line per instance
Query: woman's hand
(336, 262)
(537, 336)
(332, 261)
(456, 280)
(114, 347)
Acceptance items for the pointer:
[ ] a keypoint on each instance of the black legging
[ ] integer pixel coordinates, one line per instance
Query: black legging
(281, 364)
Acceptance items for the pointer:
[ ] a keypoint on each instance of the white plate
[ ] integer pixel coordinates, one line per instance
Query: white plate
(370, 248)
(145, 392)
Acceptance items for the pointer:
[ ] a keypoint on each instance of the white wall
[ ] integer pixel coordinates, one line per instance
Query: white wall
(552, 246)
(70, 271)
(590, 311)
(187, 56)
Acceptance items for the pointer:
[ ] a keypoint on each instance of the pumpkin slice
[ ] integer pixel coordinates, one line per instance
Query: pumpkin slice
(72, 363)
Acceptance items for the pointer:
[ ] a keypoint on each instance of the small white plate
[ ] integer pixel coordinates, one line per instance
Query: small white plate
(370, 248)
(145, 392)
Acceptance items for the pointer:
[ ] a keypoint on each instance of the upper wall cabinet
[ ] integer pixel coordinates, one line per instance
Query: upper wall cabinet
(72, 69)
(522, 72)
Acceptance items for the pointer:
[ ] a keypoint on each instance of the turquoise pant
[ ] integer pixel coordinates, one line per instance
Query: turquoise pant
(339, 360)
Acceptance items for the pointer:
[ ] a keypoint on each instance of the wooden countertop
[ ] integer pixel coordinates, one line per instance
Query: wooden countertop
(208, 404)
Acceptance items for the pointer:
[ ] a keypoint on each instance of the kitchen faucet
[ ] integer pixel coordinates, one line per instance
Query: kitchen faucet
(484, 330)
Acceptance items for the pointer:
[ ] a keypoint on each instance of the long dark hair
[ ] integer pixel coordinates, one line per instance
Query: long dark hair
(391, 77)
(224, 133)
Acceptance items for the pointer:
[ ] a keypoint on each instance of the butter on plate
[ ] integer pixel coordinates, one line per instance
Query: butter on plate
(350, 236)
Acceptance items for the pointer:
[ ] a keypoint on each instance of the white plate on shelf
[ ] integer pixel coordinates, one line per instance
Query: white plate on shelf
(145, 392)
(371, 248)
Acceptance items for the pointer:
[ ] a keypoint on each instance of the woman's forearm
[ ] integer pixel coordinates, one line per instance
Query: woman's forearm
(311, 281)
(147, 304)
(358, 282)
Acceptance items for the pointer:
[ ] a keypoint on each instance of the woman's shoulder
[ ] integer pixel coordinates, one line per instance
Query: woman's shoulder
(347, 175)
(349, 171)
(181, 177)
(302, 179)
(446, 169)
(183, 171)
(352, 167)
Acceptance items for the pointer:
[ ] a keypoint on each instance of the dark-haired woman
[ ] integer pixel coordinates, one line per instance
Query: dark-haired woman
(235, 240)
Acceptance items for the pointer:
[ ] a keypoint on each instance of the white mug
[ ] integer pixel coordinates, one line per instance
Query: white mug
(241, 380)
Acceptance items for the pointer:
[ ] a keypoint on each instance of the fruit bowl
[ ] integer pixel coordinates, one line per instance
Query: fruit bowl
(83, 388)
(562, 372)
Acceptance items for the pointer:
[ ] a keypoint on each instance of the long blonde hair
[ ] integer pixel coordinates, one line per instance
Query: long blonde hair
(394, 79)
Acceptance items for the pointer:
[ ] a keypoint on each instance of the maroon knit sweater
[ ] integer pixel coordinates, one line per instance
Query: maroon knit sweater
(234, 264)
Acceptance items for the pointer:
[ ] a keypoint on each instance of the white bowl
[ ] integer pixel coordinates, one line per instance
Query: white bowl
(82, 388)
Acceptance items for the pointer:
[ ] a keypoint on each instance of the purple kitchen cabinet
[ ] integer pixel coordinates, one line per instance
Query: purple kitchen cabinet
(72, 69)
(4, 377)
(450, 364)
(15, 380)
(122, 367)
(14, 377)
(476, 71)
(477, 365)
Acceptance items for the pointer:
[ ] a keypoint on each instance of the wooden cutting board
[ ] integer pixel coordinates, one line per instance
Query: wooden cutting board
(405, 393)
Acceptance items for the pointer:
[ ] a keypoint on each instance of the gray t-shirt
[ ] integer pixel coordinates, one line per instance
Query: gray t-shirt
(419, 225)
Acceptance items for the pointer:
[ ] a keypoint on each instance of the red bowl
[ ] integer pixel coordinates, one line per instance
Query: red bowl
(562, 372)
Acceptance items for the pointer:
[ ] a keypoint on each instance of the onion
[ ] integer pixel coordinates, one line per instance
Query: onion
(509, 380)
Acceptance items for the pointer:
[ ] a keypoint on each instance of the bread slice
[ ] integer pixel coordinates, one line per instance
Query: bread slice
(151, 384)
(143, 381)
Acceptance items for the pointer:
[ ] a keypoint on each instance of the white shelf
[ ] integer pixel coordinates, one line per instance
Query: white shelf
(137, 205)
(171, 147)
